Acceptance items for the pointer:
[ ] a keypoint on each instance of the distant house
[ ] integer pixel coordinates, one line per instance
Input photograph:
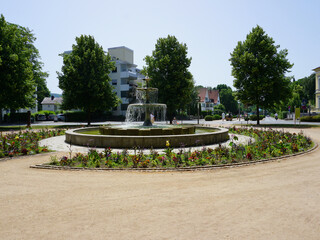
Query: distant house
(317, 93)
(51, 103)
(208, 99)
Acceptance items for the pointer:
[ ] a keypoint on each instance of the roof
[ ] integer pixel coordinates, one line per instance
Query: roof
(202, 94)
(316, 69)
(213, 95)
(50, 100)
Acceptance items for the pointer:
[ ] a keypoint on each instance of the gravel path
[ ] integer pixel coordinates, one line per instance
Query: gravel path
(276, 200)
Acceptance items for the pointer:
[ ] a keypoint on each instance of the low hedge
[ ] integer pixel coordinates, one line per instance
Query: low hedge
(208, 118)
(255, 117)
(315, 118)
(211, 118)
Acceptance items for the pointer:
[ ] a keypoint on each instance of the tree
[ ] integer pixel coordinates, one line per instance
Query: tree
(219, 109)
(309, 88)
(85, 80)
(259, 71)
(39, 76)
(168, 70)
(16, 69)
(228, 100)
(222, 86)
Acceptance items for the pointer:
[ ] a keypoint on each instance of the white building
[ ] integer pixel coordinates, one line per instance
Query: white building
(124, 76)
(51, 103)
(208, 99)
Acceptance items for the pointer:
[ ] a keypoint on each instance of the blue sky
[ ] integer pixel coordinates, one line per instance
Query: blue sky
(211, 30)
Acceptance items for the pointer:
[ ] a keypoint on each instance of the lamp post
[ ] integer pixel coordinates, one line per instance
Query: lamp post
(239, 109)
(198, 104)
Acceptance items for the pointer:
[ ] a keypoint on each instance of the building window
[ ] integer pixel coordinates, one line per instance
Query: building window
(123, 67)
(124, 94)
(124, 81)
(114, 70)
(124, 107)
(114, 81)
(318, 83)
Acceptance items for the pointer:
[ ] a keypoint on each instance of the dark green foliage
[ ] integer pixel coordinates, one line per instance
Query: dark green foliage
(168, 69)
(208, 118)
(315, 118)
(228, 100)
(16, 69)
(259, 71)
(219, 109)
(255, 117)
(85, 78)
(216, 117)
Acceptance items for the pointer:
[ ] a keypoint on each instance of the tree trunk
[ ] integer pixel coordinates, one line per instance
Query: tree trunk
(258, 115)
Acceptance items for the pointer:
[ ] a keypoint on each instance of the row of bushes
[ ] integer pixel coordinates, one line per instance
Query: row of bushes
(315, 118)
(254, 117)
(211, 118)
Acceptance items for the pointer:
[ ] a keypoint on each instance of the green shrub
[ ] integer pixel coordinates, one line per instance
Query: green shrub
(16, 117)
(315, 118)
(255, 118)
(208, 118)
(216, 117)
(205, 113)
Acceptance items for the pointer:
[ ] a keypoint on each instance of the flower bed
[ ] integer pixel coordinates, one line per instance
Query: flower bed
(25, 143)
(268, 144)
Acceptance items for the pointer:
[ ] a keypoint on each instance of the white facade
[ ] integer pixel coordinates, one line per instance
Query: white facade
(51, 103)
(123, 77)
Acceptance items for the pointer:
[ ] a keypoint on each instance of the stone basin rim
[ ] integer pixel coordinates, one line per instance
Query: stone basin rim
(150, 141)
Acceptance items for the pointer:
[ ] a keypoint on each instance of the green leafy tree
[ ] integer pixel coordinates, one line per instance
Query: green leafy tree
(309, 88)
(39, 76)
(228, 100)
(219, 109)
(85, 80)
(222, 86)
(168, 70)
(16, 69)
(259, 71)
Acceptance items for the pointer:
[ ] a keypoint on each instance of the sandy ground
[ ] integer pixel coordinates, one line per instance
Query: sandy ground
(276, 200)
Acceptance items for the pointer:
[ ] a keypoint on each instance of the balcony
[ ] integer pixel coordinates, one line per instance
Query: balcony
(124, 87)
(124, 74)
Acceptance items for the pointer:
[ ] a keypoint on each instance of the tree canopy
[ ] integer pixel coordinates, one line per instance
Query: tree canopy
(85, 80)
(259, 71)
(228, 100)
(168, 69)
(16, 68)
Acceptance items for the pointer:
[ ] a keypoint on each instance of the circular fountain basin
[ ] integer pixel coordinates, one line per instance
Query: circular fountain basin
(147, 141)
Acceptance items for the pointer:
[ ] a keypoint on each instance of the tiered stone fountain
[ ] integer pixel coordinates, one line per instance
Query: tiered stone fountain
(147, 135)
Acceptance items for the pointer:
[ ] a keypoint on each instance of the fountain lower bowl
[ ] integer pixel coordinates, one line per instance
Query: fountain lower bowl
(147, 141)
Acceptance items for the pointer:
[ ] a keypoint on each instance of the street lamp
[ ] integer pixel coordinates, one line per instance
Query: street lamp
(198, 105)
(239, 108)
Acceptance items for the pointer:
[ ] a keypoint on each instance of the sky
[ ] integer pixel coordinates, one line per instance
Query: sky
(210, 29)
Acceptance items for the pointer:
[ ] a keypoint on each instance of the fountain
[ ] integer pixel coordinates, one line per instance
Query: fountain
(147, 104)
(147, 135)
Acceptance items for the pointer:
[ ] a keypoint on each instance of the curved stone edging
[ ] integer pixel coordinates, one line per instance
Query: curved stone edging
(192, 168)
